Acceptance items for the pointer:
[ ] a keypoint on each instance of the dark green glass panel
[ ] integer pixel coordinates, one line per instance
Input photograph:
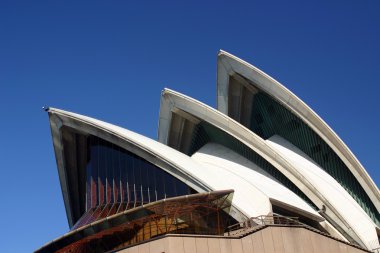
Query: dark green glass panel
(270, 118)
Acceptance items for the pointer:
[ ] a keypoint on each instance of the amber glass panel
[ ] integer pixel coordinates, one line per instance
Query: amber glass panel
(118, 180)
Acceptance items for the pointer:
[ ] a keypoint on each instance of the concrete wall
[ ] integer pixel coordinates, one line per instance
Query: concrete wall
(267, 240)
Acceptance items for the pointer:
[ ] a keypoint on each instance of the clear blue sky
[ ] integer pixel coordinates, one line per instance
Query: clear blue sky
(111, 59)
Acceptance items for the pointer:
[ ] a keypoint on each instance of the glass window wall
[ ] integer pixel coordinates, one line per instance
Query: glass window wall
(118, 179)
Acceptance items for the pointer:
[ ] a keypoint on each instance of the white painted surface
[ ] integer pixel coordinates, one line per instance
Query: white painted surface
(331, 189)
(238, 173)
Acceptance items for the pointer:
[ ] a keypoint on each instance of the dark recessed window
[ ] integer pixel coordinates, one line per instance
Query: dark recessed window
(259, 119)
(259, 131)
(271, 110)
(326, 158)
(293, 125)
(316, 148)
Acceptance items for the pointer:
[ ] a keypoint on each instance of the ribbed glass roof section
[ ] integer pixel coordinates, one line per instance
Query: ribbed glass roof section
(117, 180)
(267, 108)
(269, 118)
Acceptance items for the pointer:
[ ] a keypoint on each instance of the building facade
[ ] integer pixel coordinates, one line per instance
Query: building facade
(260, 173)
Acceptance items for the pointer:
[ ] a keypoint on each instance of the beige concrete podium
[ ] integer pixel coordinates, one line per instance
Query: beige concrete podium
(267, 240)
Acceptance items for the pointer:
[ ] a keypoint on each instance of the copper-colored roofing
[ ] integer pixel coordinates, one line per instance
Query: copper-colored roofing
(171, 207)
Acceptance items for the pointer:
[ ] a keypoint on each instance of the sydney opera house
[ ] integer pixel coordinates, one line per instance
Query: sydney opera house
(260, 173)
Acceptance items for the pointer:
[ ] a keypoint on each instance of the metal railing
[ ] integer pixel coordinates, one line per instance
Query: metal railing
(254, 223)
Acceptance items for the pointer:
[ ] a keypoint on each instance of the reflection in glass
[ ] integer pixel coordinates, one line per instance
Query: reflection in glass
(117, 179)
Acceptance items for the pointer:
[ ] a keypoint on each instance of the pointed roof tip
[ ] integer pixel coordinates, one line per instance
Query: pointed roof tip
(52, 110)
(230, 57)
(165, 90)
(223, 53)
(169, 91)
